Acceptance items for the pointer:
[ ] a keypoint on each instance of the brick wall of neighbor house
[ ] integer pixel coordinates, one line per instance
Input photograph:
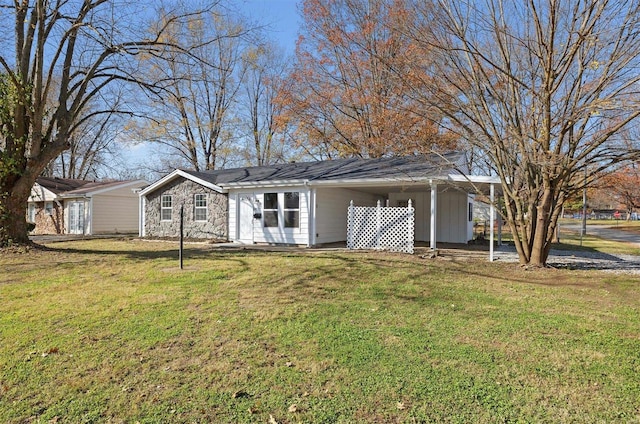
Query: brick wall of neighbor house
(49, 224)
(183, 192)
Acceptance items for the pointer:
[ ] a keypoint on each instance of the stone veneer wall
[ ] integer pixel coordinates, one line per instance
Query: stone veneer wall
(183, 192)
(49, 224)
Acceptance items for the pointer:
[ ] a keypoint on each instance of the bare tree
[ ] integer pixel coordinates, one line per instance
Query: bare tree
(543, 88)
(193, 122)
(93, 148)
(68, 52)
(263, 80)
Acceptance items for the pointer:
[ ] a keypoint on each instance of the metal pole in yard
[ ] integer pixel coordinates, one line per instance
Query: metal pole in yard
(181, 232)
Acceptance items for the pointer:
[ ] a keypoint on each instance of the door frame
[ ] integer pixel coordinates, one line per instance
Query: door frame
(78, 208)
(249, 201)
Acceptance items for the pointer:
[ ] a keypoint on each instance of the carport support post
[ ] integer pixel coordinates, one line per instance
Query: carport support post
(434, 199)
(492, 217)
(350, 227)
(378, 223)
(181, 233)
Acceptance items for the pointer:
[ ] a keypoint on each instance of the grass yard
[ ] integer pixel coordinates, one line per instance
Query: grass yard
(573, 241)
(112, 331)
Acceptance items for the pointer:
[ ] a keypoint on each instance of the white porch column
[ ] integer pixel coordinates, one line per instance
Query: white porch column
(88, 218)
(311, 204)
(141, 204)
(500, 225)
(492, 217)
(434, 208)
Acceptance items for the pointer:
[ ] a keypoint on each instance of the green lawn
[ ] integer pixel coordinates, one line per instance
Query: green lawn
(112, 331)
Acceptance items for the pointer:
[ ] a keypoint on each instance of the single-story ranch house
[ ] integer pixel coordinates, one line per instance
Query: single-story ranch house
(74, 206)
(307, 203)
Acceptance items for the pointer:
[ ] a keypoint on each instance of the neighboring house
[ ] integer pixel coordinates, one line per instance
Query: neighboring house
(307, 203)
(481, 211)
(68, 206)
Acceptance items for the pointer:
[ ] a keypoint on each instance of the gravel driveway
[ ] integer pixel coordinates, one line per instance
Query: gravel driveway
(580, 260)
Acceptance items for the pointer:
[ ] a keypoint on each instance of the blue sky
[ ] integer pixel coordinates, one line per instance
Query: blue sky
(280, 15)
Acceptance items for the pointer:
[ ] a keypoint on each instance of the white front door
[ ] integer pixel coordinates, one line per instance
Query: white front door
(245, 217)
(76, 218)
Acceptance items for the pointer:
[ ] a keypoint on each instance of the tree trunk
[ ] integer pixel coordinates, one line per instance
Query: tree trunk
(540, 248)
(13, 219)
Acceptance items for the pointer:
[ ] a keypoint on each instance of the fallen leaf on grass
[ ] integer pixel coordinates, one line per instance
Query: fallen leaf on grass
(240, 394)
(272, 420)
(293, 408)
(50, 351)
(400, 405)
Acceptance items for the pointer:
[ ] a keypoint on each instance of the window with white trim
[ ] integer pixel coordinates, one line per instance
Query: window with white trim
(166, 203)
(200, 207)
(48, 208)
(292, 209)
(31, 214)
(270, 210)
(281, 210)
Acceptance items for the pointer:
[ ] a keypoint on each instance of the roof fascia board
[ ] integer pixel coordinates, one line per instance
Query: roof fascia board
(363, 182)
(180, 173)
(374, 182)
(105, 189)
(266, 184)
(476, 179)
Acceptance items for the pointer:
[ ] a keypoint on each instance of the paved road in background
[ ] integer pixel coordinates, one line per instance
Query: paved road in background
(607, 232)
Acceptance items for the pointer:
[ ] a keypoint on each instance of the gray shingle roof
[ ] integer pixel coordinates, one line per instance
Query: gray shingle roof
(68, 187)
(401, 168)
(60, 185)
(94, 186)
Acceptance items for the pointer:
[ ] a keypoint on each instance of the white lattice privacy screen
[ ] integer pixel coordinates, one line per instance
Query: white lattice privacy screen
(385, 228)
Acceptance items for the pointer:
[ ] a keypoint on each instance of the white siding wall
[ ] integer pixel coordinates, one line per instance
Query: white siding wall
(331, 212)
(453, 225)
(40, 194)
(452, 217)
(233, 216)
(115, 211)
(421, 203)
(261, 234)
(331, 215)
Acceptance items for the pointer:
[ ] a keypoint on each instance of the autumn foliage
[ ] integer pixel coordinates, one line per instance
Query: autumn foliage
(624, 186)
(346, 95)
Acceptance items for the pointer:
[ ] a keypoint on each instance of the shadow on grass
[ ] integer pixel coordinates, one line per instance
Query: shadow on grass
(355, 266)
